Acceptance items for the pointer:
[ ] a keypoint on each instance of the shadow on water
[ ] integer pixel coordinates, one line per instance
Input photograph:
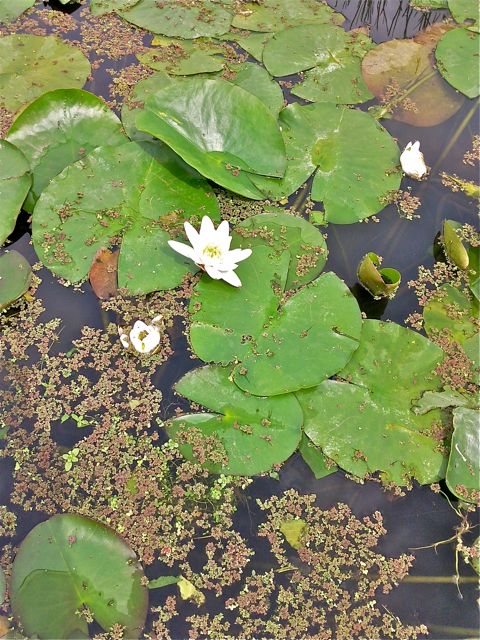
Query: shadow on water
(419, 518)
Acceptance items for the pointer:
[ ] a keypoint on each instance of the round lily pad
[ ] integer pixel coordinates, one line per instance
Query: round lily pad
(332, 55)
(181, 19)
(366, 424)
(463, 471)
(223, 131)
(463, 10)
(407, 67)
(15, 182)
(311, 338)
(69, 562)
(285, 232)
(12, 9)
(58, 129)
(120, 194)
(225, 319)
(31, 65)
(255, 433)
(457, 60)
(355, 160)
(15, 277)
(275, 15)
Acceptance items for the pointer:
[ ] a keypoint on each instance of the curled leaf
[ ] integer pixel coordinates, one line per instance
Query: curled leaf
(454, 248)
(381, 283)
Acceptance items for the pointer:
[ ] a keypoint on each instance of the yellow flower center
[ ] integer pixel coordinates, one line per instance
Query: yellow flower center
(212, 251)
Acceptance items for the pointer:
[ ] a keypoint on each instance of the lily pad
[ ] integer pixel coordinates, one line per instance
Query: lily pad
(332, 55)
(354, 159)
(15, 277)
(182, 57)
(451, 309)
(31, 65)
(463, 10)
(69, 562)
(320, 465)
(225, 319)
(254, 79)
(275, 15)
(132, 107)
(252, 43)
(463, 471)
(366, 425)
(58, 129)
(15, 182)
(427, 5)
(294, 530)
(285, 232)
(194, 19)
(223, 131)
(11, 9)
(457, 60)
(406, 68)
(474, 271)
(119, 192)
(380, 282)
(453, 245)
(255, 433)
(311, 338)
(100, 7)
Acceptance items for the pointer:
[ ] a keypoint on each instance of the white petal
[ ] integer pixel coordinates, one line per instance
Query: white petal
(213, 272)
(152, 340)
(237, 255)
(192, 234)
(415, 146)
(183, 249)
(157, 319)
(138, 327)
(124, 340)
(207, 230)
(232, 278)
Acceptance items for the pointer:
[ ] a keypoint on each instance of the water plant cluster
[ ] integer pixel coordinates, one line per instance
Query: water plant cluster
(248, 129)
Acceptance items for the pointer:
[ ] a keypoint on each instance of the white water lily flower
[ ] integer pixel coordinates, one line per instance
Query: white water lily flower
(143, 338)
(210, 250)
(413, 162)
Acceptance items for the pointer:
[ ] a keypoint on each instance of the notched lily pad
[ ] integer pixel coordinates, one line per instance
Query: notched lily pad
(250, 433)
(366, 424)
(31, 65)
(457, 60)
(67, 563)
(15, 182)
(380, 282)
(15, 277)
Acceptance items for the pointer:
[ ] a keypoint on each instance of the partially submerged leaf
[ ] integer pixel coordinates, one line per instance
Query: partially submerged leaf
(254, 433)
(15, 182)
(320, 465)
(163, 581)
(453, 245)
(188, 591)
(31, 65)
(69, 562)
(294, 530)
(380, 282)
(440, 400)
(463, 471)
(59, 128)
(103, 273)
(15, 277)
(365, 424)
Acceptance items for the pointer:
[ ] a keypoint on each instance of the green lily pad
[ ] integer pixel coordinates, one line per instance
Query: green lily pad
(463, 10)
(100, 7)
(15, 277)
(182, 57)
(463, 471)
(255, 433)
(450, 309)
(223, 131)
(315, 459)
(332, 55)
(253, 43)
(132, 107)
(406, 67)
(312, 337)
(180, 19)
(275, 15)
(354, 159)
(15, 182)
(254, 79)
(440, 400)
(285, 232)
(69, 562)
(427, 5)
(380, 282)
(225, 319)
(58, 129)
(474, 271)
(457, 60)
(119, 192)
(294, 530)
(366, 425)
(31, 65)
(12, 9)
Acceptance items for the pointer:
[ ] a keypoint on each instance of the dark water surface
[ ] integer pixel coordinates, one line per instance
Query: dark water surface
(421, 517)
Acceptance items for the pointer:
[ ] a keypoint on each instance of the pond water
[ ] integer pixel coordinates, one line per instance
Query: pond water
(420, 517)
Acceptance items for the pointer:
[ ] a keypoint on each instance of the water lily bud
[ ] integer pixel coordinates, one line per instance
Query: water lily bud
(413, 162)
